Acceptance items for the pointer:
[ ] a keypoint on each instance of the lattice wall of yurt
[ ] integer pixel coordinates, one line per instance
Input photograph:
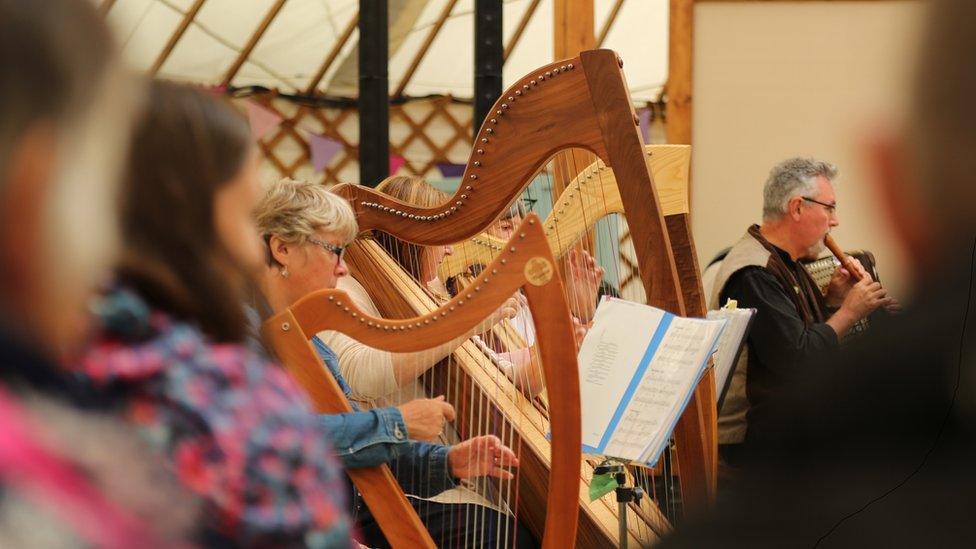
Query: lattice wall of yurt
(425, 132)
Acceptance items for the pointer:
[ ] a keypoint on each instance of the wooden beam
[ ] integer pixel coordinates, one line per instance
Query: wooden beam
(175, 38)
(255, 37)
(105, 7)
(333, 55)
(572, 28)
(611, 19)
(680, 35)
(514, 40)
(441, 18)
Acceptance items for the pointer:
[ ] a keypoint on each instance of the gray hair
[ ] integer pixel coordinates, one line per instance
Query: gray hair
(791, 178)
(293, 210)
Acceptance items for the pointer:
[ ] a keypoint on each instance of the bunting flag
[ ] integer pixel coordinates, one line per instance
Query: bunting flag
(261, 119)
(645, 124)
(450, 170)
(396, 162)
(323, 149)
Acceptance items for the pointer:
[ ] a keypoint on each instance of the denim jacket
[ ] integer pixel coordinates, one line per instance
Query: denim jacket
(374, 437)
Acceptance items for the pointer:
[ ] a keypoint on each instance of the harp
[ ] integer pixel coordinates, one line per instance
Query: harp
(528, 264)
(580, 103)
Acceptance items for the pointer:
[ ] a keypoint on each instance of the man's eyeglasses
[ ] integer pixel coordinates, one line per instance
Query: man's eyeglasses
(337, 250)
(831, 208)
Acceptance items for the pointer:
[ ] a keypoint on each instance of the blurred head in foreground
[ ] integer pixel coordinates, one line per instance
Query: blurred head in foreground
(65, 104)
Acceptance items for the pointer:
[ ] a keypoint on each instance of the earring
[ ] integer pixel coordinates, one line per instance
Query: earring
(284, 272)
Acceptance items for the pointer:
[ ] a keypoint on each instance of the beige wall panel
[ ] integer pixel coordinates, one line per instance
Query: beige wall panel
(780, 79)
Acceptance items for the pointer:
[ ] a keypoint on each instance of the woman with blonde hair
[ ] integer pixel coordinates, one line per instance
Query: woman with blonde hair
(306, 230)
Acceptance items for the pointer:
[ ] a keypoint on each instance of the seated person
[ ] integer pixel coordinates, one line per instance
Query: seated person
(423, 263)
(71, 474)
(306, 229)
(234, 426)
(794, 319)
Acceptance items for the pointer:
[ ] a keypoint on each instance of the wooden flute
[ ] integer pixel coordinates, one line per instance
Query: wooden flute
(844, 259)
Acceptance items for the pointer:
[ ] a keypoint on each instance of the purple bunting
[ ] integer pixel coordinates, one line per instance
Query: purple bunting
(450, 170)
(262, 120)
(323, 149)
(645, 124)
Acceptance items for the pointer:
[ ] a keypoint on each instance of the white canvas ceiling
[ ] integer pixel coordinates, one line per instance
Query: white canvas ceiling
(304, 31)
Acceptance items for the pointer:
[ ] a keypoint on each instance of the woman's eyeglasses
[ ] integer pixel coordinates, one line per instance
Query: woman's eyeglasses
(337, 250)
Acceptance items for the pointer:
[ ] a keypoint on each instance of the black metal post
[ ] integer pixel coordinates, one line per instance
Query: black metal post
(488, 60)
(374, 103)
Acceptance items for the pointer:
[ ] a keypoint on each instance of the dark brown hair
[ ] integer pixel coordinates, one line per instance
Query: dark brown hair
(416, 191)
(187, 145)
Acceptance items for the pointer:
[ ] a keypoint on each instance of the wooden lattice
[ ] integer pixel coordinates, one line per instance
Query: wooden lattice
(424, 132)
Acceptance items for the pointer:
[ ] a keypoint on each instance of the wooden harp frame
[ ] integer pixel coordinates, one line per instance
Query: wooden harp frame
(527, 264)
(582, 102)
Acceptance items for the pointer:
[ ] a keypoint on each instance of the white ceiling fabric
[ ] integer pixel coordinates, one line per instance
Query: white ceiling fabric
(304, 31)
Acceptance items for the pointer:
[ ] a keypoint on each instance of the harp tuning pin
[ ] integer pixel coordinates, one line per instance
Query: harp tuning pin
(532, 222)
(477, 163)
(548, 73)
(481, 151)
(473, 177)
(562, 68)
(521, 235)
(489, 130)
(494, 120)
(469, 187)
(504, 106)
(570, 66)
(484, 139)
(532, 82)
(285, 326)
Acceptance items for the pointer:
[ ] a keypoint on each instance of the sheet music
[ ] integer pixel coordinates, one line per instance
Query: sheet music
(638, 368)
(730, 343)
(612, 349)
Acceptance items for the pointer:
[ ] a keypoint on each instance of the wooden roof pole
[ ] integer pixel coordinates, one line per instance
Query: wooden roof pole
(572, 27)
(520, 29)
(333, 55)
(608, 24)
(573, 24)
(441, 18)
(175, 38)
(252, 42)
(680, 34)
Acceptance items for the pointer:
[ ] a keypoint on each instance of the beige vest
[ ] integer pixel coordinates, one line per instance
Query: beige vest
(747, 252)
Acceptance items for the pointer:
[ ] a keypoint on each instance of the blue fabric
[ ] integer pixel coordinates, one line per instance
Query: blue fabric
(374, 437)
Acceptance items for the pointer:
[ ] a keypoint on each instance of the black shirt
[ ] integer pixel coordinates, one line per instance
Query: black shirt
(779, 342)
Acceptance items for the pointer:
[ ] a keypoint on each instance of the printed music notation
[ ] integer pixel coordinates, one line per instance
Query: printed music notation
(639, 365)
